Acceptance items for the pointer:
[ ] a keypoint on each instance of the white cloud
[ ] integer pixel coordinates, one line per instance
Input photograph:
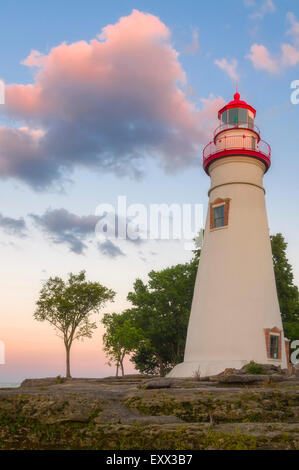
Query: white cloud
(261, 8)
(249, 3)
(194, 46)
(266, 7)
(229, 67)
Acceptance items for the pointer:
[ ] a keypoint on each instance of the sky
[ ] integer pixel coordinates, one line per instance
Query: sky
(109, 99)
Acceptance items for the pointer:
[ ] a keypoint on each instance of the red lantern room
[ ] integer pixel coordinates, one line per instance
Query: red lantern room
(237, 135)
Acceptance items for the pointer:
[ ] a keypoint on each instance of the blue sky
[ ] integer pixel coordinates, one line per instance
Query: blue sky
(201, 33)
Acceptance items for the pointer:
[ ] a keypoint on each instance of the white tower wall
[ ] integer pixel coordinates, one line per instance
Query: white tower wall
(235, 297)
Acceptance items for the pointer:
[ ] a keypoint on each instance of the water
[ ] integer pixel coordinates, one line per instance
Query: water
(8, 385)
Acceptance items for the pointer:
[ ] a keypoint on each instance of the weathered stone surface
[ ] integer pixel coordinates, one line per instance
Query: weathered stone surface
(118, 413)
(33, 383)
(247, 378)
(163, 383)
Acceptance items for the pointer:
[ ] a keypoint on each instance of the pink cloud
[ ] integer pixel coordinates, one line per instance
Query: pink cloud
(261, 59)
(288, 56)
(229, 67)
(104, 104)
(294, 27)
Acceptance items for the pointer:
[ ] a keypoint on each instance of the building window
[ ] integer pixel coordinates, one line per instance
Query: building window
(219, 212)
(273, 342)
(218, 216)
(274, 346)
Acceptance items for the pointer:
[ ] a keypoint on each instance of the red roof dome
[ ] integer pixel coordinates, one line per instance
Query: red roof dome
(236, 103)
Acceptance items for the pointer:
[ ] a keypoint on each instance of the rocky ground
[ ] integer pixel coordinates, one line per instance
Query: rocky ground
(235, 410)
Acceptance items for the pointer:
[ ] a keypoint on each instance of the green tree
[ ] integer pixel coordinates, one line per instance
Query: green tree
(145, 359)
(161, 310)
(120, 338)
(287, 292)
(68, 307)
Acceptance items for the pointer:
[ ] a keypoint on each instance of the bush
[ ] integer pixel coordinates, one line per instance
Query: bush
(254, 368)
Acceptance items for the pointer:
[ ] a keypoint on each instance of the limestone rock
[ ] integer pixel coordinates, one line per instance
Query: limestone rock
(248, 378)
(187, 414)
(163, 382)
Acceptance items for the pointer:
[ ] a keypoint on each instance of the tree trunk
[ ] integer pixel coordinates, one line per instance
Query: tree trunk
(68, 363)
(122, 368)
(161, 367)
(117, 367)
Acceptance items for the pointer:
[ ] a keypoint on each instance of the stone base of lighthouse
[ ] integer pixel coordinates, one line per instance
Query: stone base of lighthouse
(204, 368)
(235, 316)
(207, 368)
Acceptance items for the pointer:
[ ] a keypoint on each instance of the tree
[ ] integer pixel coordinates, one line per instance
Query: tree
(287, 292)
(120, 338)
(68, 307)
(161, 311)
(146, 359)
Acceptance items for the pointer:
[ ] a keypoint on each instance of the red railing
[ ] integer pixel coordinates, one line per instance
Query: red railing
(237, 125)
(234, 145)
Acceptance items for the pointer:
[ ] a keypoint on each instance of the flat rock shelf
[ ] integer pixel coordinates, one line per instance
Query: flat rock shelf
(139, 412)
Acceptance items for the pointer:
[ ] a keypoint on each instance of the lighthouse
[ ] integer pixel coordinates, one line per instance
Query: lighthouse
(235, 315)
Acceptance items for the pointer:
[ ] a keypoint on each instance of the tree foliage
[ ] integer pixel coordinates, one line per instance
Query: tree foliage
(146, 360)
(161, 310)
(288, 295)
(121, 337)
(68, 306)
(153, 331)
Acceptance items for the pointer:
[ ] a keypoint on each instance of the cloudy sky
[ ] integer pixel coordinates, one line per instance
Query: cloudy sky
(108, 99)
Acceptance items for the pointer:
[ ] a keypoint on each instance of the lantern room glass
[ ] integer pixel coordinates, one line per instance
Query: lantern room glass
(237, 116)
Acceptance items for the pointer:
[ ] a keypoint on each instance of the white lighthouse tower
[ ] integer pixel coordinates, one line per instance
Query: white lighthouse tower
(235, 316)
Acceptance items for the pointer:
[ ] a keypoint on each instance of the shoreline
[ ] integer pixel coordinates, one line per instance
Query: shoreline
(10, 384)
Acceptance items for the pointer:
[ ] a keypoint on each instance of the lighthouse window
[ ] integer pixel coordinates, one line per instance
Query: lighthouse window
(219, 216)
(242, 115)
(274, 346)
(233, 116)
(250, 123)
(237, 115)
